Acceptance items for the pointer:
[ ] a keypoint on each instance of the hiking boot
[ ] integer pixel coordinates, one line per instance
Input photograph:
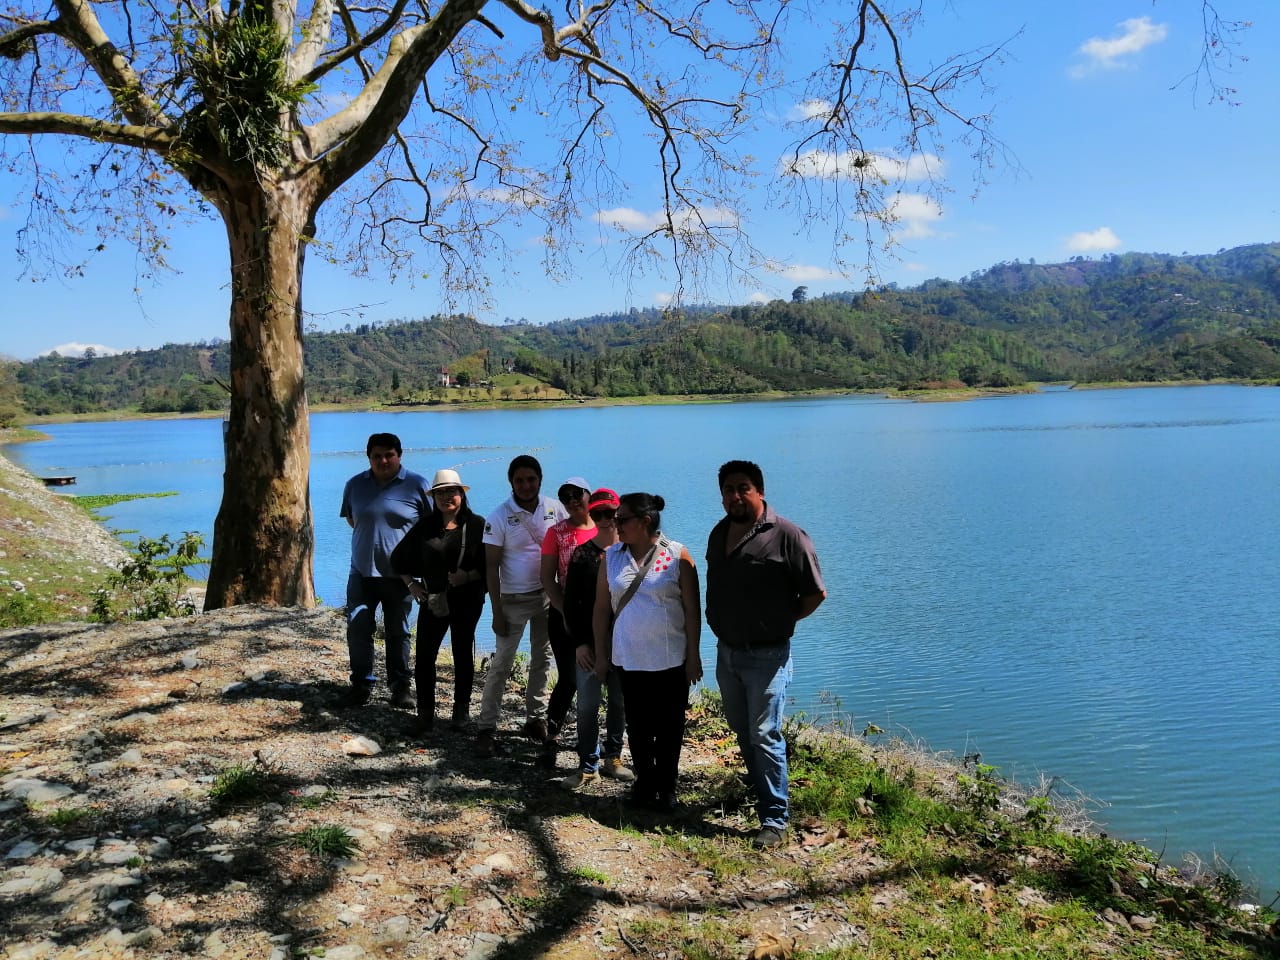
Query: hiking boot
(769, 837)
(423, 723)
(357, 695)
(459, 719)
(612, 768)
(484, 743)
(403, 699)
(536, 729)
(578, 779)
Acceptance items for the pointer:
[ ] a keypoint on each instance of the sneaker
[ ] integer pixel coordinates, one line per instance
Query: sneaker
(612, 768)
(459, 719)
(403, 699)
(768, 837)
(665, 802)
(423, 723)
(578, 779)
(357, 695)
(484, 743)
(536, 729)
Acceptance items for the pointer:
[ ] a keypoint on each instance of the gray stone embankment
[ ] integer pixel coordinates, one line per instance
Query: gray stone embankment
(66, 528)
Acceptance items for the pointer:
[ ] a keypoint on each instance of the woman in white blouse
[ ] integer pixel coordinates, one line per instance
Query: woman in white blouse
(647, 623)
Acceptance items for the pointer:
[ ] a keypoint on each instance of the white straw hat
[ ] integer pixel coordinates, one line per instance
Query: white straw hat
(448, 478)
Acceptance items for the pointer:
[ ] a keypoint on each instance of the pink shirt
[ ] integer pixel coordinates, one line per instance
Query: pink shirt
(561, 540)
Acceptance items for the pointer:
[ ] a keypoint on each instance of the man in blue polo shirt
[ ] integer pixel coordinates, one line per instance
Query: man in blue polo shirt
(762, 576)
(381, 504)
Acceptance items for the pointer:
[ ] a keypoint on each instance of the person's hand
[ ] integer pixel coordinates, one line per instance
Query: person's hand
(693, 670)
(457, 578)
(602, 670)
(586, 658)
(499, 622)
(418, 591)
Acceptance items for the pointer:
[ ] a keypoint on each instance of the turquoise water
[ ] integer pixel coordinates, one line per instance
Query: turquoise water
(1074, 584)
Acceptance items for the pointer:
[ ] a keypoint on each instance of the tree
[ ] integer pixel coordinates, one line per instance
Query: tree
(800, 294)
(196, 108)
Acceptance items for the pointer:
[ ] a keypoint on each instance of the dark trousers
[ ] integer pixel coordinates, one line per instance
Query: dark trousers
(464, 613)
(566, 654)
(655, 703)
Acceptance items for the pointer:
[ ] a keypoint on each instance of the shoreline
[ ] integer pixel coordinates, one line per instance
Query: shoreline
(945, 395)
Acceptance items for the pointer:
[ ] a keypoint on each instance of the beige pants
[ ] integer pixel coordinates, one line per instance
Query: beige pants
(520, 609)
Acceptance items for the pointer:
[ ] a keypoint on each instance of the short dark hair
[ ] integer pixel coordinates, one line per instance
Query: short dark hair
(647, 505)
(389, 440)
(523, 462)
(745, 467)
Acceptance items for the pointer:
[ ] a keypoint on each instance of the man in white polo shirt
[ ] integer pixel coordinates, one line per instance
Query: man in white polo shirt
(513, 535)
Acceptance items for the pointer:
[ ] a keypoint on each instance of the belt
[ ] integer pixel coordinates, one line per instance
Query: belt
(527, 593)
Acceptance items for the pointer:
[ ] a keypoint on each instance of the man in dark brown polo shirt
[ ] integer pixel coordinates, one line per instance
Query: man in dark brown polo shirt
(762, 576)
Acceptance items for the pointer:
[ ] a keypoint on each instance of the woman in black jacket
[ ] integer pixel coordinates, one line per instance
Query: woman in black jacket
(442, 560)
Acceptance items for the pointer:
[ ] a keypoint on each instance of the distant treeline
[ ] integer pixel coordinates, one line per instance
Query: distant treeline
(1123, 317)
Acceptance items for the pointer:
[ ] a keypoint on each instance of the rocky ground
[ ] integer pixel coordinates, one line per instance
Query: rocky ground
(113, 738)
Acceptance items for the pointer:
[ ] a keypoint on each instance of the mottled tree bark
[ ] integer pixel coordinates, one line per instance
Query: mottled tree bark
(263, 539)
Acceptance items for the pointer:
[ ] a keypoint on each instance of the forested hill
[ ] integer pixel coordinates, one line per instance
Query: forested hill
(1123, 317)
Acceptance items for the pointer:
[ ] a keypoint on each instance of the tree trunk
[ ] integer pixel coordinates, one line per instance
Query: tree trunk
(263, 539)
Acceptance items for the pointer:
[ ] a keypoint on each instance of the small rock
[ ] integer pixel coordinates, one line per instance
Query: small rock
(189, 662)
(1142, 924)
(500, 862)
(34, 881)
(348, 951)
(133, 755)
(23, 850)
(394, 930)
(361, 747)
(118, 907)
(140, 717)
(82, 845)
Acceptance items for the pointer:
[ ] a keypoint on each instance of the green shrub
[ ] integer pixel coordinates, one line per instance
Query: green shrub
(150, 585)
(22, 609)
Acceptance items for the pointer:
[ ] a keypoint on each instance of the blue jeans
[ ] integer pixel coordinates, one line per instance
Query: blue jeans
(589, 690)
(753, 686)
(364, 595)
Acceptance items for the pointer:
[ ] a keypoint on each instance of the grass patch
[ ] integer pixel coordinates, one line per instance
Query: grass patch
(324, 840)
(24, 608)
(242, 784)
(66, 817)
(95, 502)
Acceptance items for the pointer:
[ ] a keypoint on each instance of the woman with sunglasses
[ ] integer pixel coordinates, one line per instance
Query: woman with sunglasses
(647, 623)
(443, 557)
(561, 540)
(594, 758)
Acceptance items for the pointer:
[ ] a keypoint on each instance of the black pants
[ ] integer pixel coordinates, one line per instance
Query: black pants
(655, 703)
(460, 624)
(566, 654)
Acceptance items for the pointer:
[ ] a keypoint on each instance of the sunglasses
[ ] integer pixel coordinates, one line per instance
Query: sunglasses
(619, 519)
(602, 514)
(573, 496)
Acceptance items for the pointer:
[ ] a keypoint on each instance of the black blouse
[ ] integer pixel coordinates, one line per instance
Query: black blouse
(430, 552)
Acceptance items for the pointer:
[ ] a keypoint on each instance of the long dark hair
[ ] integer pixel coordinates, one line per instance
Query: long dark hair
(647, 505)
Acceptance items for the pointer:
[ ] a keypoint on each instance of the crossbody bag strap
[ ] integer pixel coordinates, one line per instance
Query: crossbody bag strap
(462, 549)
(639, 578)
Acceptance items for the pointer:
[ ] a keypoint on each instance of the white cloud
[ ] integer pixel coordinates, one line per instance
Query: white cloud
(801, 272)
(636, 221)
(828, 165)
(1110, 53)
(1088, 241)
(913, 215)
(663, 298)
(810, 110)
(758, 297)
(75, 349)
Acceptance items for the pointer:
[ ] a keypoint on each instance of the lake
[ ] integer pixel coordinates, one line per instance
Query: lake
(1080, 584)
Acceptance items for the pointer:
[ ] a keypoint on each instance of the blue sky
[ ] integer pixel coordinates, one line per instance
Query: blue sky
(1106, 153)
